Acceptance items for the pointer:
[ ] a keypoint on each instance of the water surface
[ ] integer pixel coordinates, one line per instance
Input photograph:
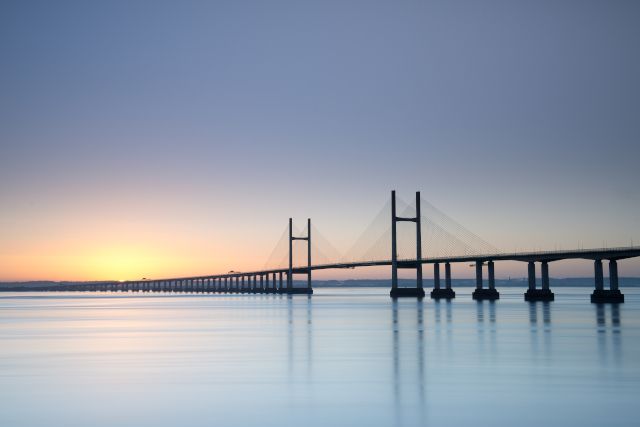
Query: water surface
(344, 357)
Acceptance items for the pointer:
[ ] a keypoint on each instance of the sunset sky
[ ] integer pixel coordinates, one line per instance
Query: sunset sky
(163, 138)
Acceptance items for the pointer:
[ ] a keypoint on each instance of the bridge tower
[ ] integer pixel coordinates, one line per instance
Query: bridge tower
(292, 271)
(396, 291)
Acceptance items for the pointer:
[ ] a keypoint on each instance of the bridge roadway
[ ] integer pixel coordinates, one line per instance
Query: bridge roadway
(271, 281)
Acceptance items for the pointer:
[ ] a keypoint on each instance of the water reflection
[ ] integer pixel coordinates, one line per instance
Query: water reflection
(538, 333)
(402, 397)
(291, 336)
(609, 337)
(482, 325)
(440, 325)
(546, 314)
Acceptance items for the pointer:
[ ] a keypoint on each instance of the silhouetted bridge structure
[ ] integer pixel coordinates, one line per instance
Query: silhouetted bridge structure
(280, 279)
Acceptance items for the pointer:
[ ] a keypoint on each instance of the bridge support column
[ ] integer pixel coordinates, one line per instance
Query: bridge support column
(396, 291)
(309, 289)
(611, 295)
(281, 288)
(534, 294)
(437, 292)
(290, 288)
(481, 293)
(491, 274)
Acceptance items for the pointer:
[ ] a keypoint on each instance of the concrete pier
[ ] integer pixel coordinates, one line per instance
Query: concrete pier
(481, 293)
(438, 292)
(600, 294)
(534, 294)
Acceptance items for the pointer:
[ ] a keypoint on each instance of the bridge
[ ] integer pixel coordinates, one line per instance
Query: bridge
(447, 243)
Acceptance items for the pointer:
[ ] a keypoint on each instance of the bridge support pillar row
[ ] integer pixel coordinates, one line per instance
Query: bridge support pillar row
(611, 295)
(481, 293)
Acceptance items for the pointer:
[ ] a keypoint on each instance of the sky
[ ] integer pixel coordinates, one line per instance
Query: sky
(165, 138)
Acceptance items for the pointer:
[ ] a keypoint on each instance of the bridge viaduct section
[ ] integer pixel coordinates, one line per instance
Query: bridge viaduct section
(281, 281)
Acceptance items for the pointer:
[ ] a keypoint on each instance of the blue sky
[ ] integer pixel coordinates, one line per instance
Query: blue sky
(182, 135)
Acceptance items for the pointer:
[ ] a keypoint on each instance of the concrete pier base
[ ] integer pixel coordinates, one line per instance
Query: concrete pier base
(485, 294)
(600, 296)
(538, 295)
(407, 292)
(443, 294)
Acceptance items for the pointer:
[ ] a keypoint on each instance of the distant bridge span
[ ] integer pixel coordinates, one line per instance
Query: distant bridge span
(280, 280)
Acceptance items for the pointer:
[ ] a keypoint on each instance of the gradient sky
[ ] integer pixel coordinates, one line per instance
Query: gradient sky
(157, 138)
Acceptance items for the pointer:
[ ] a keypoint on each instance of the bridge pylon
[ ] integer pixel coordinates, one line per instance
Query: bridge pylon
(308, 289)
(396, 291)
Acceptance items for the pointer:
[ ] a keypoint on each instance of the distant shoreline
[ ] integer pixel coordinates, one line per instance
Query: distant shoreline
(629, 282)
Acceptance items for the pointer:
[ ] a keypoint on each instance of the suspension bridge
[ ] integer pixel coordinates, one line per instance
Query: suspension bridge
(386, 241)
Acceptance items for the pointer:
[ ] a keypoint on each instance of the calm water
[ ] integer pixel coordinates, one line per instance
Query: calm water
(344, 357)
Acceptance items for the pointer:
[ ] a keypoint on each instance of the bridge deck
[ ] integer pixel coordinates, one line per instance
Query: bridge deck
(549, 256)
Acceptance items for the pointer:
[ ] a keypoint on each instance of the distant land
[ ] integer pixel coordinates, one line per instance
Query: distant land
(629, 282)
